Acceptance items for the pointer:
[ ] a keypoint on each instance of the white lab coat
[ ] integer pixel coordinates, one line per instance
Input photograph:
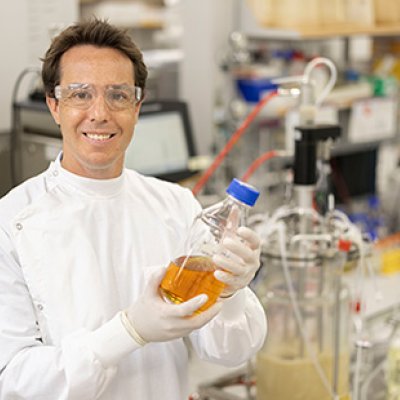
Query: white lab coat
(73, 253)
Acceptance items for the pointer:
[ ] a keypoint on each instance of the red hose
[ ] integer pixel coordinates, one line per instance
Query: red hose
(256, 164)
(231, 142)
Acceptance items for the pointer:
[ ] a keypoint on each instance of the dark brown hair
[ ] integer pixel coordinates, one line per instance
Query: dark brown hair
(97, 33)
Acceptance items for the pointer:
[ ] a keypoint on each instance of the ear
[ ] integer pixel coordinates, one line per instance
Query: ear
(137, 108)
(53, 105)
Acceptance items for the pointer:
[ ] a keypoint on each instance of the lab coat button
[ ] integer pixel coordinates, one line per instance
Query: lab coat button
(40, 307)
(19, 226)
(55, 173)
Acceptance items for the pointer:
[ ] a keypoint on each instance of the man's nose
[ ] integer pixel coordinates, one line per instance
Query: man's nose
(99, 110)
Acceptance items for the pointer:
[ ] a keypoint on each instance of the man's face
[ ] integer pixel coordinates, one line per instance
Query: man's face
(95, 138)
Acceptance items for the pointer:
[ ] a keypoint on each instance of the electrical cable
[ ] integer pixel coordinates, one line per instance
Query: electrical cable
(231, 142)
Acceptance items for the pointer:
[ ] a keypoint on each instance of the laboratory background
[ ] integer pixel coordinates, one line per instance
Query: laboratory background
(300, 99)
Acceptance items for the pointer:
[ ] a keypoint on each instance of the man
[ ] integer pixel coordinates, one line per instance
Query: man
(84, 245)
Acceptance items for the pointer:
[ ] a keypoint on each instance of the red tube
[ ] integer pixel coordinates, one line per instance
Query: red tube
(256, 164)
(231, 142)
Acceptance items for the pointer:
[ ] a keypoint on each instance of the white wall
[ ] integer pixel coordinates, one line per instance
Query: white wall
(26, 30)
(206, 26)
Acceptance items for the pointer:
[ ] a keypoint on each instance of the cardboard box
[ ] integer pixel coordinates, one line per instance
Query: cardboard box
(387, 11)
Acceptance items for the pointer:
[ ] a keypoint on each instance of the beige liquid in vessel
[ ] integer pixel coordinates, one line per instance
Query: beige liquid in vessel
(281, 378)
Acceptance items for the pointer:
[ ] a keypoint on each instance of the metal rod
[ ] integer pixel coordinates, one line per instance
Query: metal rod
(301, 285)
(320, 309)
(336, 321)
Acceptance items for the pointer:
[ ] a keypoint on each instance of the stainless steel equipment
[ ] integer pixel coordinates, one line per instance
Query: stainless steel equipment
(5, 176)
(37, 139)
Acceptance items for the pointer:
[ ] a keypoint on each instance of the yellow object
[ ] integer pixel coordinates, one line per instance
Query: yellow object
(390, 261)
(387, 11)
(388, 253)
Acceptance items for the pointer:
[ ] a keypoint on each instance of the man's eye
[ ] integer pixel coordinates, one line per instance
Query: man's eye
(81, 95)
(119, 96)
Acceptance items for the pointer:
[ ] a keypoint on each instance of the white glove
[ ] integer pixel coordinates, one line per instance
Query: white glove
(239, 260)
(157, 321)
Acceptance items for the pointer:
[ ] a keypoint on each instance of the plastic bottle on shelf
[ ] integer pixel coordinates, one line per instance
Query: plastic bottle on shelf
(193, 273)
(297, 63)
(376, 219)
(371, 222)
(280, 59)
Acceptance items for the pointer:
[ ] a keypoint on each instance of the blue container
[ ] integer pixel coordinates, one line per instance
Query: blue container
(253, 90)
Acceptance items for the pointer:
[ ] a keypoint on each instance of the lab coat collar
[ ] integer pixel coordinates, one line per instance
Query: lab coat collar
(98, 187)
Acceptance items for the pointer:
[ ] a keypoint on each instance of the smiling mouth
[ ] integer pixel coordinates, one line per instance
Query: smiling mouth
(99, 137)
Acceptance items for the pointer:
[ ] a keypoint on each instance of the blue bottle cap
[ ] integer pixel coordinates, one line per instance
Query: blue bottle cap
(243, 192)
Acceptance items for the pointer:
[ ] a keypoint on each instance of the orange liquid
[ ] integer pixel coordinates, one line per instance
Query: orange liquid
(195, 277)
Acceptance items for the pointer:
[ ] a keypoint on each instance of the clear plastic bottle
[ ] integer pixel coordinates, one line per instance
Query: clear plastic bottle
(193, 273)
(377, 228)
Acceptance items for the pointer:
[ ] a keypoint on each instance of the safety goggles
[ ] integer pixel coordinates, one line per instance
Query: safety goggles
(83, 95)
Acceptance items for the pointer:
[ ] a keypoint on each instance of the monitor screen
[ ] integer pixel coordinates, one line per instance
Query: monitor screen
(354, 174)
(162, 143)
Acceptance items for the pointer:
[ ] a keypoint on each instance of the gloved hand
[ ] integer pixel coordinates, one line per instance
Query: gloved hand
(157, 321)
(239, 261)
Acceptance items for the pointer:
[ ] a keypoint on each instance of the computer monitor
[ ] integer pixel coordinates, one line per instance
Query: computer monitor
(163, 141)
(354, 174)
